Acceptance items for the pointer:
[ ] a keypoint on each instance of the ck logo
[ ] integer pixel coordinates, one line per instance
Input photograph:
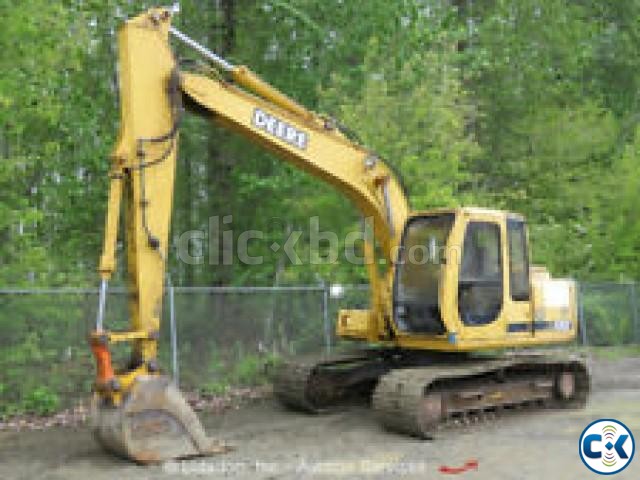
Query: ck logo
(606, 446)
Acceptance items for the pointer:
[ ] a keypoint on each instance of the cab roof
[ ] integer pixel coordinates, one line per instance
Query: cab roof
(470, 211)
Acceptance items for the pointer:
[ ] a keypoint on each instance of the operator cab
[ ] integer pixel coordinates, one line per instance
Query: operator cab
(459, 267)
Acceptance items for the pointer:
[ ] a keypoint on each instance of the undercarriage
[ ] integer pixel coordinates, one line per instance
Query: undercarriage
(419, 393)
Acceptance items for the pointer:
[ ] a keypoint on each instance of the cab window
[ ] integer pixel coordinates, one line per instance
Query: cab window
(518, 260)
(480, 286)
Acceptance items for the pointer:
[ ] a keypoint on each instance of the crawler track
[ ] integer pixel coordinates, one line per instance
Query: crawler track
(421, 394)
(420, 401)
(319, 384)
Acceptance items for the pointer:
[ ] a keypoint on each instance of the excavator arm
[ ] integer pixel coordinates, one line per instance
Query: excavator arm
(136, 399)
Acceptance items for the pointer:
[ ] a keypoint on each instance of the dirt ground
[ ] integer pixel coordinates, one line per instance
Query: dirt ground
(275, 444)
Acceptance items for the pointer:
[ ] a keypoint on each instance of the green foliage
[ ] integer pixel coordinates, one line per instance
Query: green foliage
(41, 401)
(415, 118)
(214, 388)
(603, 329)
(615, 353)
(608, 313)
(615, 248)
(530, 106)
(249, 371)
(246, 370)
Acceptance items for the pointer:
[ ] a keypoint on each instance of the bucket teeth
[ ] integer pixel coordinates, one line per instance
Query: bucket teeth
(153, 424)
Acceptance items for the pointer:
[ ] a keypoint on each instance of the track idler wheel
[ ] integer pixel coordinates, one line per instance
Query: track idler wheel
(153, 424)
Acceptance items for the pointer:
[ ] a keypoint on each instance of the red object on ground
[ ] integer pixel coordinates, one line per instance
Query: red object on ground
(468, 465)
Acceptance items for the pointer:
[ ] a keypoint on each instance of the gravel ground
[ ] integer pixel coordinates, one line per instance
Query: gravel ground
(271, 443)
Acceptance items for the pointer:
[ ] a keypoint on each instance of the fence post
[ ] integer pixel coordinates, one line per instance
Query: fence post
(581, 320)
(174, 336)
(634, 308)
(325, 317)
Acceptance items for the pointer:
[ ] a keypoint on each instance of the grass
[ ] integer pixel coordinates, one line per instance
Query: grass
(614, 353)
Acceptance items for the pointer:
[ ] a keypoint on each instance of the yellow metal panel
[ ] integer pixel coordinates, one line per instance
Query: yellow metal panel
(108, 257)
(353, 324)
(245, 77)
(324, 153)
(145, 64)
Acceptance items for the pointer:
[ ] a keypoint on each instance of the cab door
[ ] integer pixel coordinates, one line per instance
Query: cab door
(481, 280)
(519, 316)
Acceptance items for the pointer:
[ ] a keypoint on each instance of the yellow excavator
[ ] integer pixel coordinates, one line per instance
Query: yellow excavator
(449, 288)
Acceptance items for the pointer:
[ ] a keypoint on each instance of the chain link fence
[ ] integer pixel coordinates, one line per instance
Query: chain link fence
(609, 314)
(224, 335)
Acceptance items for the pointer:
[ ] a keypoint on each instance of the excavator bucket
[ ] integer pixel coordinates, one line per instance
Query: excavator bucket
(153, 424)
